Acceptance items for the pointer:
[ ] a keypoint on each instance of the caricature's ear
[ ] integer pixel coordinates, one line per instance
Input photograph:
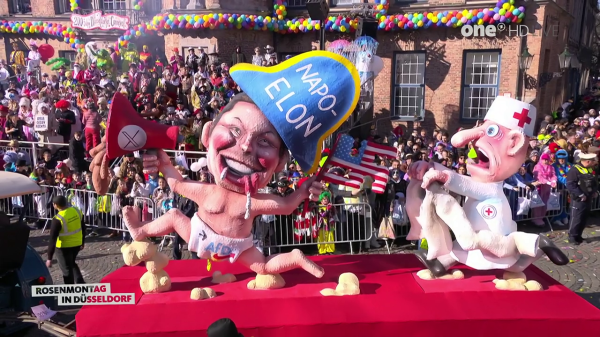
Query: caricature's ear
(205, 134)
(283, 160)
(517, 142)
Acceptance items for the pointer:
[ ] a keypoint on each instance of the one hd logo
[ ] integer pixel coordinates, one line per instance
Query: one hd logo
(83, 294)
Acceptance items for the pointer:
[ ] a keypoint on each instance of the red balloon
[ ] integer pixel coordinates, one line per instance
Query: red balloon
(46, 51)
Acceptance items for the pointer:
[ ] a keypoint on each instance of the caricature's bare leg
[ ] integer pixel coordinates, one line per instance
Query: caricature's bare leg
(172, 221)
(452, 213)
(276, 264)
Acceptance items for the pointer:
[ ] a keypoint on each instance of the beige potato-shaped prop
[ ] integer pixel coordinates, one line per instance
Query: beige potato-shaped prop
(518, 277)
(157, 263)
(455, 274)
(158, 282)
(138, 251)
(509, 285)
(202, 294)
(219, 278)
(264, 282)
(348, 284)
(533, 286)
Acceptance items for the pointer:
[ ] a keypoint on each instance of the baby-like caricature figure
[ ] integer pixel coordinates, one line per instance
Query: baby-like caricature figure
(244, 151)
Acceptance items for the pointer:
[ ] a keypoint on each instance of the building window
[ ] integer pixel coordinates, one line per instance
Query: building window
(296, 3)
(114, 6)
(344, 2)
(19, 6)
(68, 54)
(62, 6)
(481, 70)
(408, 84)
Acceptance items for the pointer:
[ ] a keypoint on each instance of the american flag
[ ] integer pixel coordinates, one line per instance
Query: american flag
(360, 165)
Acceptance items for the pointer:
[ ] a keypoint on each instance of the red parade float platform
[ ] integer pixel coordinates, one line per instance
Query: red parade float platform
(393, 302)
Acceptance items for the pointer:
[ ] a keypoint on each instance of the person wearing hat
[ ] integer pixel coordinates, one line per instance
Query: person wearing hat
(270, 55)
(191, 60)
(562, 168)
(175, 59)
(582, 185)
(17, 58)
(533, 159)
(146, 57)
(65, 118)
(223, 328)
(33, 58)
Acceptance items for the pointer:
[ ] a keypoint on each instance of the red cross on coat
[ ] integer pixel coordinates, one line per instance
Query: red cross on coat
(489, 211)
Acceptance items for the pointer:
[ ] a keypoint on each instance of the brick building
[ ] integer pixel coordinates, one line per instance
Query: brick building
(432, 77)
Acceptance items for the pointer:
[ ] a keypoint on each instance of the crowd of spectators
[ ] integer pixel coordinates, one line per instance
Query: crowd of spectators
(190, 91)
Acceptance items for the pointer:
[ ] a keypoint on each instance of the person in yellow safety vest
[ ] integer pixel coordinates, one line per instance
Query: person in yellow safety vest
(66, 239)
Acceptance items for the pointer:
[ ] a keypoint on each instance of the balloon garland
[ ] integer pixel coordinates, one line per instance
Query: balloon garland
(504, 12)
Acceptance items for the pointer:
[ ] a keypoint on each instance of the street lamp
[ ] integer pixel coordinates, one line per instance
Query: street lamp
(565, 60)
(525, 60)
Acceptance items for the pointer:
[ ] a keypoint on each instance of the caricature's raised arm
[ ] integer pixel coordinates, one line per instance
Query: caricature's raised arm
(162, 163)
(467, 186)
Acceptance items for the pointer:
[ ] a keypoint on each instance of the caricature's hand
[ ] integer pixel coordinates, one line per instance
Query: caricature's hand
(155, 162)
(311, 188)
(417, 170)
(435, 176)
(100, 167)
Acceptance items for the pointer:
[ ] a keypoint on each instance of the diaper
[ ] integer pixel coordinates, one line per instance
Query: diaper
(208, 244)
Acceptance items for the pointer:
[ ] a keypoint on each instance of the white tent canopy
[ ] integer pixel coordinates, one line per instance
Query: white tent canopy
(15, 184)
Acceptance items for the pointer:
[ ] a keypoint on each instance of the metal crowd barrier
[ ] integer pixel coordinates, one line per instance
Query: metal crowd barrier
(348, 223)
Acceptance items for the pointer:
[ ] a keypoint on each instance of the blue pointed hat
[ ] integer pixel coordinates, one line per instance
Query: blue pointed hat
(306, 98)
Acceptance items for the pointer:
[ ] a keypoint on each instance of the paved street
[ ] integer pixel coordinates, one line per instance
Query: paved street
(102, 255)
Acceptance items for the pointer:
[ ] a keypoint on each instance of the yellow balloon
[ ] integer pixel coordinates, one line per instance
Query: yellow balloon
(420, 23)
(435, 19)
(318, 26)
(480, 22)
(444, 19)
(342, 29)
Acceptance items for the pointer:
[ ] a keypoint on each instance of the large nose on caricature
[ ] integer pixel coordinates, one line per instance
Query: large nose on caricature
(246, 144)
(462, 138)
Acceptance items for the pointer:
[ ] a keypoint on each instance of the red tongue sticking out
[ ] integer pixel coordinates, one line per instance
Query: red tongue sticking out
(250, 183)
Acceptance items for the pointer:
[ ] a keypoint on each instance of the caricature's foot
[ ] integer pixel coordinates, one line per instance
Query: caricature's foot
(435, 266)
(426, 274)
(134, 225)
(307, 264)
(554, 253)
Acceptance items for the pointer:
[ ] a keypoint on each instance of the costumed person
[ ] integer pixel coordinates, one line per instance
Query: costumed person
(130, 55)
(104, 61)
(247, 144)
(270, 55)
(78, 73)
(17, 58)
(92, 74)
(81, 59)
(191, 60)
(69, 81)
(486, 235)
(26, 115)
(34, 59)
(561, 168)
(174, 60)
(91, 49)
(545, 177)
(65, 119)
(326, 223)
(146, 58)
(134, 76)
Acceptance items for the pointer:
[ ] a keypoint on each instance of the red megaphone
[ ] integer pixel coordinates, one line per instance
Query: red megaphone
(127, 132)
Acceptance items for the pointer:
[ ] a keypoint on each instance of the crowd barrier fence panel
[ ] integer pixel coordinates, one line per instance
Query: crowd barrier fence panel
(353, 224)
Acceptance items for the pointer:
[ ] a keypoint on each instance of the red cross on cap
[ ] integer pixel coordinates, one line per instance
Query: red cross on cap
(522, 117)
